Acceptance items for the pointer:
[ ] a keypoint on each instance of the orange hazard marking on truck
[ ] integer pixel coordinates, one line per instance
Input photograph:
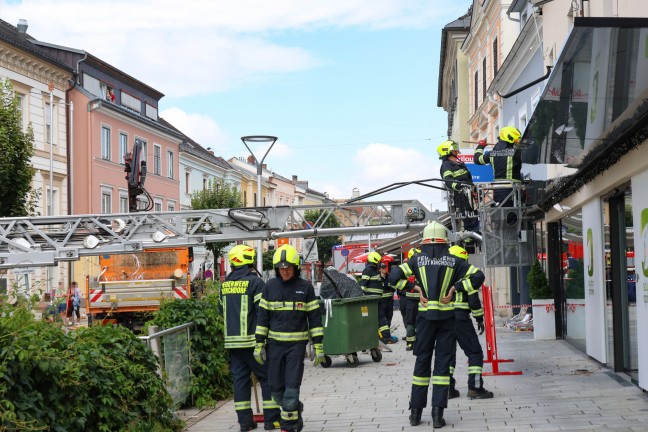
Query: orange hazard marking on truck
(180, 292)
(96, 296)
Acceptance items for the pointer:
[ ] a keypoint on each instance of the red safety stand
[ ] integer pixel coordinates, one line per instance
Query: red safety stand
(491, 336)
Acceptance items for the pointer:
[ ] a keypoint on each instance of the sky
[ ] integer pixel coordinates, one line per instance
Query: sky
(349, 87)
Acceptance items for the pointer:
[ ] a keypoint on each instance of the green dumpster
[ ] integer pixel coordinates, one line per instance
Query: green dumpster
(350, 325)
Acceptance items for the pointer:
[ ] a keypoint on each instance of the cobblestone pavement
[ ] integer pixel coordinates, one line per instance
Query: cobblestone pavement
(561, 389)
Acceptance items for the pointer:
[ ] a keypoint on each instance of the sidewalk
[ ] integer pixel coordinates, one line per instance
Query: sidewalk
(560, 389)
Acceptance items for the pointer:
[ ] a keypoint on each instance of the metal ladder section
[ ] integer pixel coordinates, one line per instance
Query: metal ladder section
(46, 241)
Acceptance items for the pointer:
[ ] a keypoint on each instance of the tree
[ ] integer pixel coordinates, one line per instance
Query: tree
(17, 197)
(538, 283)
(217, 195)
(324, 244)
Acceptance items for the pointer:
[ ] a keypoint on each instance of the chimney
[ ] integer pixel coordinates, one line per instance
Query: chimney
(250, 160)
(22, 26)
(355, 193)
(294, 177)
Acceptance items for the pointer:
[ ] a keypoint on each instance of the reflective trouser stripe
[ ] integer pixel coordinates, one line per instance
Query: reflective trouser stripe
(421, 381)
(474, 370)
(441, 380)
(289, 415)
(242, 405)
(270, 404)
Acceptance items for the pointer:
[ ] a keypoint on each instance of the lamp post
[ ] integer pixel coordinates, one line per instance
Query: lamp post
(259, 166)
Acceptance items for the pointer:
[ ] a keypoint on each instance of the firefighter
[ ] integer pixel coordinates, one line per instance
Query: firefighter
(506, 160)
(459, 182)
(411, 299)
(240, 295)
(437, 271)
(288, 315)
(372, 284)
(387, 300)
(466, 303)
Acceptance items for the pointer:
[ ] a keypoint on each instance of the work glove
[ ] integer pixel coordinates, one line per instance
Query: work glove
(259, 353)
(480, 324)
(319, 354)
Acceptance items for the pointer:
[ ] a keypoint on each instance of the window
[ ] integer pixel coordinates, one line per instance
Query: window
(171, 207)
(157, 160)
(106, 202)
(188, 182)
(495, 57)
(131, 102)
(151, 112)
(157, 206)
(105, 142)
(51, 208)
(484, 79)
(20, 105)
(123, 203)
(48, 122)
(170, 165)
(476, 90)
(144, 150)
(123, 147)
(205, 183)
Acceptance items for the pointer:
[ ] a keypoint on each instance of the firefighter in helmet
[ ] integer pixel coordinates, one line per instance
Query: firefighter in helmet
(288, 315)
(506, 160)
(467, 302)
(372, 284)
(411, 296)
(437, 271)
(239, 299)
(459, 182)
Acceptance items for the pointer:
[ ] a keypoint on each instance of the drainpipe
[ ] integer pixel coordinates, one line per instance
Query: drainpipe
(526, 86)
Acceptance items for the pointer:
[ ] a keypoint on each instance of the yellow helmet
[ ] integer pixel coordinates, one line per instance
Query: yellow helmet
(510, 134)
(285, 256)
(411, 252)
(446, 147)
(241, 255)
(435, 232)
(458, 251)
(373, 257)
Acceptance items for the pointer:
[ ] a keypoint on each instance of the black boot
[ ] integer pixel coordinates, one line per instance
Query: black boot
(480, 393)
(248, 426)
(415, 416)
(437, 417)
(453, 392)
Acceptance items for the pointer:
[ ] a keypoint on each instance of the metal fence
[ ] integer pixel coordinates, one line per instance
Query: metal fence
(172, 348)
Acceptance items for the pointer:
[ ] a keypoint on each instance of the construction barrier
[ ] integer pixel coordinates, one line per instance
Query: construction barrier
(491, 336)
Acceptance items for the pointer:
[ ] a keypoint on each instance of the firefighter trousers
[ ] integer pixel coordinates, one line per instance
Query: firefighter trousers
(468, 341)
(242, 365)
(432, 338)
(411, 312)
(385, 314)
(285, 372)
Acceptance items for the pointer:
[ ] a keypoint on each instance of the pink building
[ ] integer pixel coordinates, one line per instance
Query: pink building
(111, 111)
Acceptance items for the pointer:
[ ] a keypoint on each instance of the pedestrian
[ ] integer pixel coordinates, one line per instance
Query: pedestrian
(239, 299)
(436, 271)
(372, 284)
(458, 181)
(506, 160)
(74, 303)
(465, 303)
(289, 315)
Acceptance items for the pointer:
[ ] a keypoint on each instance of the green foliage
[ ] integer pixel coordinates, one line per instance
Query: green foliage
(99, 378)
(217, 195)
(266, 259)
(211, 380)
(17, 198)
(324, 244)
(538, 283)
(575, 284)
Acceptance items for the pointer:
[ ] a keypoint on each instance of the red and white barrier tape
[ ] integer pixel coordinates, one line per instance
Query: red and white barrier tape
(548, 307)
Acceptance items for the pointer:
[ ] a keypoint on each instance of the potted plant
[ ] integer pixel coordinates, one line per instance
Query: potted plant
(544, 324)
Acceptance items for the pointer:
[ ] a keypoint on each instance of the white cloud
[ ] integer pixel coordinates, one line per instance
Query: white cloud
(199, 47)
(199, 127)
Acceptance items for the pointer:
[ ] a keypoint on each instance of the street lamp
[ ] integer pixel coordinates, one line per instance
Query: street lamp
(259, 166)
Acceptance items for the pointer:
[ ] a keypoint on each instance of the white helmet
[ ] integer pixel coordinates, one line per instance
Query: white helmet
(435, 232)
